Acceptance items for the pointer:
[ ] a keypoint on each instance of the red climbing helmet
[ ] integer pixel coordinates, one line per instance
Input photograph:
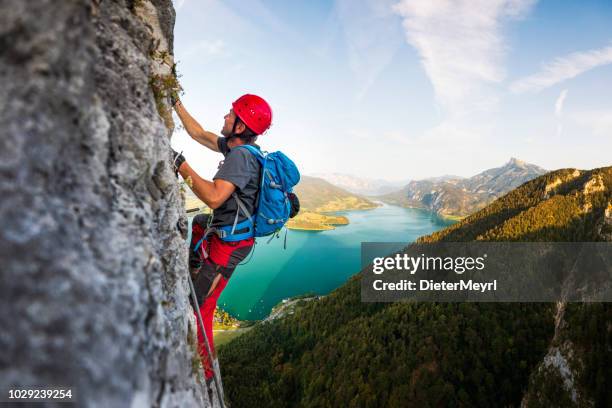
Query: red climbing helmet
(254, 112)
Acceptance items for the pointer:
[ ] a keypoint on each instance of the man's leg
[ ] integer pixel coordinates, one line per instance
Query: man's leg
(207, 310)
(210, 282)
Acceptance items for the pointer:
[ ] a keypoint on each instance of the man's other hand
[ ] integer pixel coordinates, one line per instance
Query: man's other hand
(177, 160)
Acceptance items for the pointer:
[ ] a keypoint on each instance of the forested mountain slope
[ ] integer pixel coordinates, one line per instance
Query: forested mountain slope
(338, 351)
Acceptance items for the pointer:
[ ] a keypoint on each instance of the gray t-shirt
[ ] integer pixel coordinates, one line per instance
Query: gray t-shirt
(242, 169)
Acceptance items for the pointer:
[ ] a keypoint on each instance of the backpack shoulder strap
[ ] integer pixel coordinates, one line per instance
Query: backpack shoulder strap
(255, 151)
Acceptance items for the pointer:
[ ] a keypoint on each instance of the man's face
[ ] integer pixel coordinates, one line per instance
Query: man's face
(230, 118)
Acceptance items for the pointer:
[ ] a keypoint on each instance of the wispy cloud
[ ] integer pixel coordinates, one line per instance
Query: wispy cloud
(373, 34)
(461, 47)
(563, 68)
(559, 110)
(559, 103)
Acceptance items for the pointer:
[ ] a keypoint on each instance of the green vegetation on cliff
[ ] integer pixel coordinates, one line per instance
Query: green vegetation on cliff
(337, 351)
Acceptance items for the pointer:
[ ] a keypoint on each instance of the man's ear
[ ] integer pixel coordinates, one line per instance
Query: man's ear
(240, 128)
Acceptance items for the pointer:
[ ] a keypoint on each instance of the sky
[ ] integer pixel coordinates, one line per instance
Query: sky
(404, 89)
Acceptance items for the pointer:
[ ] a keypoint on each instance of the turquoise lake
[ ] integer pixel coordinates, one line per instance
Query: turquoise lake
(317, 261)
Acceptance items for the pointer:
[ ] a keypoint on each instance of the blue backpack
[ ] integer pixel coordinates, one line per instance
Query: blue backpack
(278, 176)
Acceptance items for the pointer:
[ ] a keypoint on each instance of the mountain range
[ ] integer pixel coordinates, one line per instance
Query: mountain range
(361, 185)
(446, 195)
(455, 196)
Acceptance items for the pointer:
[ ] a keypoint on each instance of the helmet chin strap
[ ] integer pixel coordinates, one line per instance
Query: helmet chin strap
(233, 132)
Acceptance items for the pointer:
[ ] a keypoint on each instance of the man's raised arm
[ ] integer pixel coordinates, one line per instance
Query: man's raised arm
(194, 129)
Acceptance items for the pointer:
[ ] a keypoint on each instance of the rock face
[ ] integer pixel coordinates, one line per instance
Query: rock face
(94, 283)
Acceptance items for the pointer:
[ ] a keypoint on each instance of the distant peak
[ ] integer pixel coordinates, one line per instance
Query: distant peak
(516, 162)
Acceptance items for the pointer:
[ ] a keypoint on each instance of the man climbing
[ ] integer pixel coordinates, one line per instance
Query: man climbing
(221, 240)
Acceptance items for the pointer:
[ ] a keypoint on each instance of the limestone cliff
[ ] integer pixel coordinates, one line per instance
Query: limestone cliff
(94, 291)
